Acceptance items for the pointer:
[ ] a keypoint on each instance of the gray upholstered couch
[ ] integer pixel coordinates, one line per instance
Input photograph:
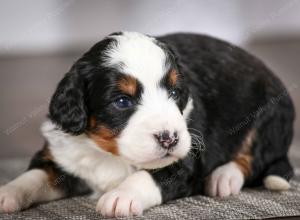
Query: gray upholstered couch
(250, 204)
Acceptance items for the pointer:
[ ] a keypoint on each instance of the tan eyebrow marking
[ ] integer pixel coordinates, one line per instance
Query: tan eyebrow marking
(128, 85)
(173, 77)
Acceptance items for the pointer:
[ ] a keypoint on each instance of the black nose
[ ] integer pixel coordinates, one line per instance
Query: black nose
(166, 140)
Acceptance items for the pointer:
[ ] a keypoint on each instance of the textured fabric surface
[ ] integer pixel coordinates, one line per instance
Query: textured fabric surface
(250, 204)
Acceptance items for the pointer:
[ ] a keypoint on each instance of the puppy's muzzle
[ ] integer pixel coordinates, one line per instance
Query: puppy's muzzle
(166, 140)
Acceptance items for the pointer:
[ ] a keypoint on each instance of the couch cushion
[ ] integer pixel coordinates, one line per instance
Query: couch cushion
(250, 204)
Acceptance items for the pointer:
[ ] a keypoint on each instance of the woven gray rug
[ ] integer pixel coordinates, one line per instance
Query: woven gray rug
(250, 204)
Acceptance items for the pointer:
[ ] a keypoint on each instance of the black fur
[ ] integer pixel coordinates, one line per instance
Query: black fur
(67, 106)
(232, 91)
(64, 181)
(89, 89)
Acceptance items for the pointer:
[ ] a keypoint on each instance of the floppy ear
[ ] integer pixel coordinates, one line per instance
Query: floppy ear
(67, 107)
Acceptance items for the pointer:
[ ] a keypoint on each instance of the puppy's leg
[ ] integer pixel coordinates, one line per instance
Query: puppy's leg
(250, 166)
(278, 175)
(226, 180)
(145, 189)
(44, 181)
(229, 178)
(137, 193)
(31, 187)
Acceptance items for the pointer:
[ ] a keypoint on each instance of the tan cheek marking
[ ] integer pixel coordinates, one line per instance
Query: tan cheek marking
(244, 158)
(105, 138)
(128, 85)
(173, 77)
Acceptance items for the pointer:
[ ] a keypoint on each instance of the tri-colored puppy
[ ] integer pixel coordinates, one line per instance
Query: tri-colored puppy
(140, 121)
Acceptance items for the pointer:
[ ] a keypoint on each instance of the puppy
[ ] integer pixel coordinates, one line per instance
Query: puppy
(139, 121)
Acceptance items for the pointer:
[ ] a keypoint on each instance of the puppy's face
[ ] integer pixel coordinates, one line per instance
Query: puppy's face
(128, 95)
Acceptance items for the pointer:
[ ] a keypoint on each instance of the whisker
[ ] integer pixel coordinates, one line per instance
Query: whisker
(195, 130)
(189, 119)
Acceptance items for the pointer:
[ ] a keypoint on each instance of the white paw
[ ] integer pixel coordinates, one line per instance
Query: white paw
(224, 181)
(276, 183)
(11, 200)
(119, 203)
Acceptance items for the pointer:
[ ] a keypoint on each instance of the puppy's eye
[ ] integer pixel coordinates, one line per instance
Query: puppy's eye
(174, 94)
(123, 102)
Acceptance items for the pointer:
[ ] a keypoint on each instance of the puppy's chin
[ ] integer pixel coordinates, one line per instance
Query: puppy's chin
(156, 160)
(158, 163)
(152, 164)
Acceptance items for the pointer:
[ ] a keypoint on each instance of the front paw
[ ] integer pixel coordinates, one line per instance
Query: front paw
(224, 181)
(11, 199)
(119, 203)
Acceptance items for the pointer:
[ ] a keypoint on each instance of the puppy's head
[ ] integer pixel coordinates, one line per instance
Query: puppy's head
(127, 93)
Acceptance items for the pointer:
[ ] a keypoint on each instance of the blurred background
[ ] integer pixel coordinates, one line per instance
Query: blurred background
(39, 41)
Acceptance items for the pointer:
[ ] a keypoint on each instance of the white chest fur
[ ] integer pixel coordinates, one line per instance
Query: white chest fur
(81, 157)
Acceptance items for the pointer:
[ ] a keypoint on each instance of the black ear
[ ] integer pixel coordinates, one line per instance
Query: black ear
(67, 107)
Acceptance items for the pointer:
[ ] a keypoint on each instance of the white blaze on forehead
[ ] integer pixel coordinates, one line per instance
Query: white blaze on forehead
(140, 57)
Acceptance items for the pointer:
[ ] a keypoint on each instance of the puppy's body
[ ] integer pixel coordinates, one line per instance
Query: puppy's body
(202, 116)
(241, 110)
